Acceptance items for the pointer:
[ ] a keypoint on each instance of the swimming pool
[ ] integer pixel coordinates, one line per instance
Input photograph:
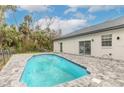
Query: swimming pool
(50, 70)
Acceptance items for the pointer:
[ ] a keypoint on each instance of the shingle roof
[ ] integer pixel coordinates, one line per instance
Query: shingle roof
(108, 25)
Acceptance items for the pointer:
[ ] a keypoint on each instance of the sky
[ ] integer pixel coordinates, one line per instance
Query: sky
(66, 17)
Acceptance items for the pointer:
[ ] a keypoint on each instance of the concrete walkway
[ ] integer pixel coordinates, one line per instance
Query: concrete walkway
(104, 73)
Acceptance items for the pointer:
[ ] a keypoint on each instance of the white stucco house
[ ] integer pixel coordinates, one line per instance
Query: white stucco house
(101, 40)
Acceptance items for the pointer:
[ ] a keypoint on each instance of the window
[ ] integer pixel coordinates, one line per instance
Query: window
(85, 47)
(107, 40)
(61, 49)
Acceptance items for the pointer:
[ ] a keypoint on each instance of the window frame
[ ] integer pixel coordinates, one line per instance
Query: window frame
(106, 40)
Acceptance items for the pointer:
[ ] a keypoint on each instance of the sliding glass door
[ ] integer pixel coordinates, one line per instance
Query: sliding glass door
(85, 47)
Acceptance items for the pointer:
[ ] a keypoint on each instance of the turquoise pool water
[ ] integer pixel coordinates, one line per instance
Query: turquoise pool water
(50, 70)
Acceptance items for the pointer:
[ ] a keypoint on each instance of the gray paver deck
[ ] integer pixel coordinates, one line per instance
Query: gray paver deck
(104, 72)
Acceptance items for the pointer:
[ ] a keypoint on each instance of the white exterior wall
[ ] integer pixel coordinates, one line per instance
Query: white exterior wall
(71, 45)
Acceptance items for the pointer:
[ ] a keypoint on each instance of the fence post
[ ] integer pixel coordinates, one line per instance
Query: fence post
(3, 56)
(9, 52)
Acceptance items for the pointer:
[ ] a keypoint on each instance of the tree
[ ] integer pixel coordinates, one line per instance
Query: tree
(49, 22)
(13, 9)
(25, 26)
(28, 20)
(3, 9)
(25, 40)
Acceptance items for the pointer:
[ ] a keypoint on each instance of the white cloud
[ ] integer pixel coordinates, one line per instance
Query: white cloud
(71, 9)
(35, 8)
(79, 15)
(90, 17)
(66, 26)
(93, 8)
(98, 8)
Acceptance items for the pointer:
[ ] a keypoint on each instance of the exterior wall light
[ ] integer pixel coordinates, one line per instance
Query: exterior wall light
(110, 54)
(118, 38)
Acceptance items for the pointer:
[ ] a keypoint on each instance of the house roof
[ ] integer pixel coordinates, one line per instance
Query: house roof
(106, 26)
